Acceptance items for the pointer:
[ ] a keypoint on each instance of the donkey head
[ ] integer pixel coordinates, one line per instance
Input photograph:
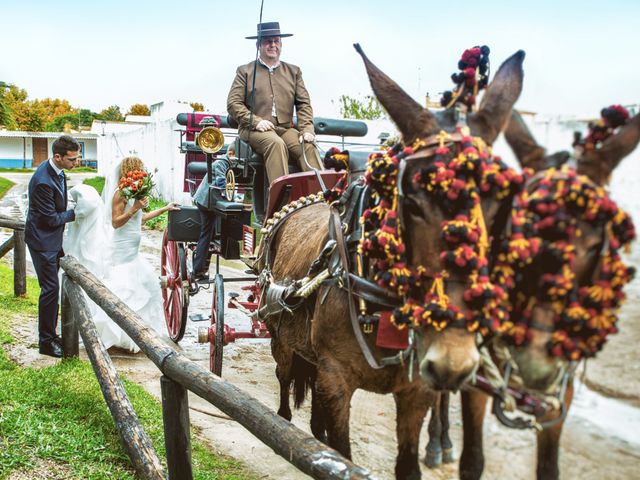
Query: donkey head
(444, 191)
(566, 293)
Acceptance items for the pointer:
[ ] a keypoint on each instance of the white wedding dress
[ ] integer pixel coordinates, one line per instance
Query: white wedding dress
(113, 256)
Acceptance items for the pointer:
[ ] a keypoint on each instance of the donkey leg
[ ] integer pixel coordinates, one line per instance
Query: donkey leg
(411, 407)
(433, 456)
(447, 446)
(549, 445)
(472, 458)
(334, 394)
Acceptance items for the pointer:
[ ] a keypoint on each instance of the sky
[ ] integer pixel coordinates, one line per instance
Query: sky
(580, 55)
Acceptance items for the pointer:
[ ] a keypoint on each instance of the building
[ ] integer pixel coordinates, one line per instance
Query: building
(30, 149)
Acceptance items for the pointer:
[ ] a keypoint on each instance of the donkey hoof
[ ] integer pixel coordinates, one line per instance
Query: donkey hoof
(448, 456)
(433, 459)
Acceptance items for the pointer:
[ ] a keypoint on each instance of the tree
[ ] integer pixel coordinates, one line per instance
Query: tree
(112, 114)
(6, 114)
(30, 116)
(139, 109)
(54, 107)
(367, 109)
(197, 107)
(63, 123)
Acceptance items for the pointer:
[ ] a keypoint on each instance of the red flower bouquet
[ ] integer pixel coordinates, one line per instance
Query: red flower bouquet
(136, 184)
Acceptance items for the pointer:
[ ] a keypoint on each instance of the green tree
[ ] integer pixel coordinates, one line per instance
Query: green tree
(197, 106)
(112, 114)
(366, 109)
(139, 109)
(63, 123)
(6, 114)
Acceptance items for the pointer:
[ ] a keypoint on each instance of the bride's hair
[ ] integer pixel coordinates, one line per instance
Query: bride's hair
(129, 164)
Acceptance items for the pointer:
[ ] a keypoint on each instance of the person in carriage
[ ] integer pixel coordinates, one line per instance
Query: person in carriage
(262, 99)
(206, 195)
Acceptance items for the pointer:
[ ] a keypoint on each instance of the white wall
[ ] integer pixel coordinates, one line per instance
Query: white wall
(158, 146)
(13, 148)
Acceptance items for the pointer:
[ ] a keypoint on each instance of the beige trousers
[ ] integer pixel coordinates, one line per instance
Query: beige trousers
(276, 147)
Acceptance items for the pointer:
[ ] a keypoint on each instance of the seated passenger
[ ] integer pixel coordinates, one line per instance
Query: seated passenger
(265, 117)
(205, 198)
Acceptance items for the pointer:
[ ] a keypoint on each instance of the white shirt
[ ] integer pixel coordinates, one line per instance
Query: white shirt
(55, 167)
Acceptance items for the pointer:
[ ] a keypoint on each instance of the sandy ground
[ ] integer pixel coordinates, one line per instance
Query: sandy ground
(599, 441)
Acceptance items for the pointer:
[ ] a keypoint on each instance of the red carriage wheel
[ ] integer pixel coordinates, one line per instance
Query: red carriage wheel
(216, 330)
(175, 296)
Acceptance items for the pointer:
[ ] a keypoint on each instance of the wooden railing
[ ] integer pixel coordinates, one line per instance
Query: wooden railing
(179, 376)
(16, 242)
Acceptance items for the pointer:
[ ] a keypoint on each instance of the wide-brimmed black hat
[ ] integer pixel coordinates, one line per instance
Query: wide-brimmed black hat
(269, 29)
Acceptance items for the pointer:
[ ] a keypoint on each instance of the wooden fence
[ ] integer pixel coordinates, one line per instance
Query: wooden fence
(179, 376)
(16, 242)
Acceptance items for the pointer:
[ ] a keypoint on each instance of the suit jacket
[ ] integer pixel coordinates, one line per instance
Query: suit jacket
(285, 85)
(48, 212)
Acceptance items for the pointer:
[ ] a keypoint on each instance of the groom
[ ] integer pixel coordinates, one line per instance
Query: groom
(43, 234)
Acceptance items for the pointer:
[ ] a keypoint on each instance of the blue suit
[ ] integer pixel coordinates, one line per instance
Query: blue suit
(43, 233)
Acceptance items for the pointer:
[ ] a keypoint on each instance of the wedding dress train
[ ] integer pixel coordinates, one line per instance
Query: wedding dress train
(113, 256)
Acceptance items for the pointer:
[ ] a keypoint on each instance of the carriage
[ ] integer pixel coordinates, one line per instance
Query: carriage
(240, 209)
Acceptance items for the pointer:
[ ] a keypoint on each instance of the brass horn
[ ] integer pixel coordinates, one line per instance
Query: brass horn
(210, 139)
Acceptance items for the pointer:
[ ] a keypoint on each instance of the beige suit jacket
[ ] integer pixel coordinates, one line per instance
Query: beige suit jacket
(284, 84)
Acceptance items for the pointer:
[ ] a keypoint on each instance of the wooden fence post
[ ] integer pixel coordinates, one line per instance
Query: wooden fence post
(19, 264)
(136, 442)
(177, 441)
(70, 336)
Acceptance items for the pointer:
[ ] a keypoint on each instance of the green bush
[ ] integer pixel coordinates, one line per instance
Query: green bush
(160, 222)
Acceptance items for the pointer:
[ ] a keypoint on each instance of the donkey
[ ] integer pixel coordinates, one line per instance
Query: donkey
(321, 338)
(542, 355)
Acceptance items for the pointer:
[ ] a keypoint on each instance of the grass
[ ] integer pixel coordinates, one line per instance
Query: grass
(31, 170)
(57, 414)
(17, 170)
(5, 185)
(95, 182)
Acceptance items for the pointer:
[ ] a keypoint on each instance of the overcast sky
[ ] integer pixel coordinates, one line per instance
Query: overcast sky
(581, 55)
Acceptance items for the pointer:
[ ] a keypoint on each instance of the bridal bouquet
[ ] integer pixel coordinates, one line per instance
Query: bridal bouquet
(136, 184)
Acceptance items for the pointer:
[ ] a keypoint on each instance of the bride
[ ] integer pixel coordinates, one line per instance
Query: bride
(106, 239)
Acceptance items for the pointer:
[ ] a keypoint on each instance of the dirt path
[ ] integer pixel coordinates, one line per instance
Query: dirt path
(591, 447)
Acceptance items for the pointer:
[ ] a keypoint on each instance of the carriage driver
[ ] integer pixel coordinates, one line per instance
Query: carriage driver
(278, 89)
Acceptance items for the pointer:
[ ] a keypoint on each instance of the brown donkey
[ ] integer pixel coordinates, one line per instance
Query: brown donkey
(318, 340)
(570, 285)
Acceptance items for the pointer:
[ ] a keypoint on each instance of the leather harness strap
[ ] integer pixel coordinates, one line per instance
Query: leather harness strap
(335, 229)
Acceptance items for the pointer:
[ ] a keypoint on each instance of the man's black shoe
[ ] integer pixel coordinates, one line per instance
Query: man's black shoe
(52, 349)
(201, 277)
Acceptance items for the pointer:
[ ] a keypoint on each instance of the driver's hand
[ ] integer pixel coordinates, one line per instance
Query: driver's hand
(264, 125)
(307, 137)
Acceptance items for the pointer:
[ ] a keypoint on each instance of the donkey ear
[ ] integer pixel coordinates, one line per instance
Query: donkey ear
(499, 99)
(598, 164)
(412, 119)
(521, 141)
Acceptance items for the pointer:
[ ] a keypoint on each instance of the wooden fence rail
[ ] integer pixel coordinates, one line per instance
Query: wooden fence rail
(16, 241)
(306, 453)
(138, 445)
